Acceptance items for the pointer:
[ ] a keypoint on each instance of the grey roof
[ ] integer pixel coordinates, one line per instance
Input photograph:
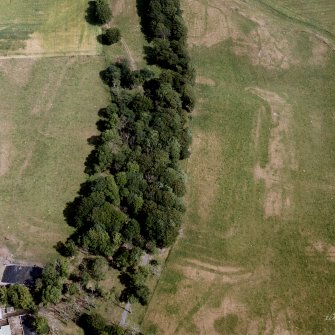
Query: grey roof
(5, 330)
(19, 274)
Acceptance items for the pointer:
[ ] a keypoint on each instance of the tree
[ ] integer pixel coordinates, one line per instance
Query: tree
(3, 295)
(67, 249)
(125, 258)
(52, 294)
(103, 12)
(112, 76)
(93, 323)
(135, 287)
(19, 297)
(131, 230)
(40, 324)
(97, 241)
(112, 35)
(49, 286)
(98, 268)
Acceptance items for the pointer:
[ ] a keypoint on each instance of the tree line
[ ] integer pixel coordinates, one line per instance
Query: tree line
(134, 192)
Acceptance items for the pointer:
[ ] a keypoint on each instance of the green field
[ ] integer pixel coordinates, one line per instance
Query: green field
(45, 123)
(317, 14)
(256, 253)
(46, 27)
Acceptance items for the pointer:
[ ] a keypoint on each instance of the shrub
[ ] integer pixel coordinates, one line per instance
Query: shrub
(98, 268)
(40, 324)
(103, 12)
(112, 36)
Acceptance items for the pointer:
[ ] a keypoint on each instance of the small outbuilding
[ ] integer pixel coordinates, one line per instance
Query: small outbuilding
(20, 274)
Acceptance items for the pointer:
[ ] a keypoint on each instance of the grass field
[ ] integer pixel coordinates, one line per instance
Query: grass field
(256, 254)
(318, 14)
(46, 27)
(45, 122)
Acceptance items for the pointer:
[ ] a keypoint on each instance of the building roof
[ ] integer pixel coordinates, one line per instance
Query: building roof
(19, 274)
(15, 325)
(5, 330)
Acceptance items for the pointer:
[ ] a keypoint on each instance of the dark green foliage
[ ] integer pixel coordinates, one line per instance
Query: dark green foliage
(97, 241)
(19, 297)
(120, 75)
(67, 249)
(131, 230)
(98, 268)
(70, 288)
(125, 258)
(112, 35)
(135, 289)
(163, 26)
(95, 324)
(103, 12)
(49, 287)
(40, 325)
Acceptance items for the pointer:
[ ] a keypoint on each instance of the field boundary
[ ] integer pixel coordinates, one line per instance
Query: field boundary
(54, 54)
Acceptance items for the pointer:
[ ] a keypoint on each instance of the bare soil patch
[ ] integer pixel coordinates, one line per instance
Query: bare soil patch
(132, 63)
(220, 269)
(17, 71)
(206, 171)
(320, 51)
(206, 317)
(25, 163)
(118, 7)
(33, 45)
(205, 81)
(280, 156)
(266, 43)
(322, 247)
(5, 157)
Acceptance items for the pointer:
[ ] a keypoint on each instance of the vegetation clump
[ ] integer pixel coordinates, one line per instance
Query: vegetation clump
(103, 12)
(112, 36)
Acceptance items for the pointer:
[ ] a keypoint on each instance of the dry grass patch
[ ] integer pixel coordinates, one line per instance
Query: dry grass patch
(204, 81)
(206, 171)
(280, 156)
(42, 154)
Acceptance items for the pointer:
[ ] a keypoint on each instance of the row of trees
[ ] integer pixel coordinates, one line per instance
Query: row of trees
(132, 199)
(100, 13)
